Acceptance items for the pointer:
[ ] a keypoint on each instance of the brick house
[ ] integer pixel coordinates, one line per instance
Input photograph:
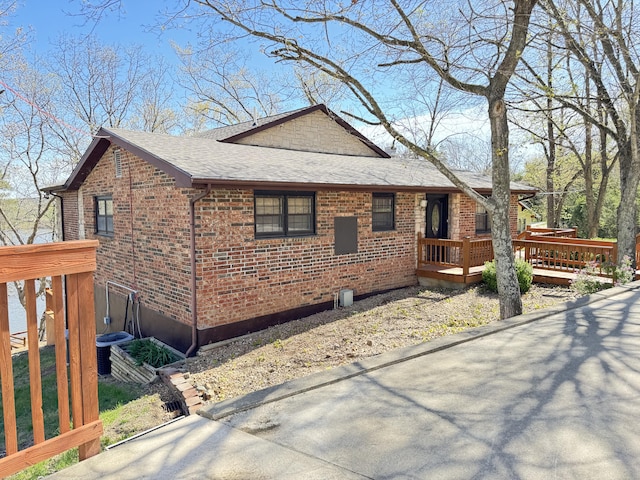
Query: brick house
(246, 226)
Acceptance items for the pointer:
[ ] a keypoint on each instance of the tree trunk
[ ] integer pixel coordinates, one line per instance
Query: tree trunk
(552, 219)
(508, 288)
(629, 179)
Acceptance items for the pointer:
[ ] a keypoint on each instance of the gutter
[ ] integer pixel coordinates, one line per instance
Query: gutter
(61, 217)
(194, 298)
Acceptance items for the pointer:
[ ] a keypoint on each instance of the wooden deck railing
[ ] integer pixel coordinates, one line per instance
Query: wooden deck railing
(547, 232)
(465, 253)
(76, 261)
(564, 254)
(568, 254)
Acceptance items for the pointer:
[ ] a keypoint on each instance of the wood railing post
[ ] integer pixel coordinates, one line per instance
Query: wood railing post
(6, 373)
(420, 247)
(466, 255)
(89, 360)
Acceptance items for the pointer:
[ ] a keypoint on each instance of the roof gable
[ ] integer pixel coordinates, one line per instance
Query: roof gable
(311, 129)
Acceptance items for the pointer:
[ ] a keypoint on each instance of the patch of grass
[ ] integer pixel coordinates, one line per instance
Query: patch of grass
(48, 467)
(113, 397)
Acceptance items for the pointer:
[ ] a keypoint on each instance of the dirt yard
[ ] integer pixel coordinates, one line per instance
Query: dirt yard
(336, 337)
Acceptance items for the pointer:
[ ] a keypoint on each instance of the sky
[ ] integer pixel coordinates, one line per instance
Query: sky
(49, 19)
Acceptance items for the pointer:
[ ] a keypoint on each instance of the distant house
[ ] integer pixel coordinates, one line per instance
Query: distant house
(526, 217)
(246, 226)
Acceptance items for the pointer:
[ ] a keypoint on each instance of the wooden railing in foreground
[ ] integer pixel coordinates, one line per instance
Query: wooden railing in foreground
(465, 253)
(76, 261)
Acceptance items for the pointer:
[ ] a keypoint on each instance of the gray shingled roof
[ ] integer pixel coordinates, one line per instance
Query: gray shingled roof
(203, 160)
(222, 133)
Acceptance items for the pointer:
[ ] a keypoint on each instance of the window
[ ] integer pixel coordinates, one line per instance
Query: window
(104, 215)
(284, 214)
(483, 224)
(382, 211)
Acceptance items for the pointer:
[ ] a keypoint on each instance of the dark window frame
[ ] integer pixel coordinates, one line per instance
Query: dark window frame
(483, 222)
(389, 218)
(284, 217)
(104, 222)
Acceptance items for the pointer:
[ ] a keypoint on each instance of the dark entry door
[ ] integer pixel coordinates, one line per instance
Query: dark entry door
(437, 216)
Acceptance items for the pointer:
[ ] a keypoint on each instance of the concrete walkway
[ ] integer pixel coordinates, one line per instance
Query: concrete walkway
(555, 394)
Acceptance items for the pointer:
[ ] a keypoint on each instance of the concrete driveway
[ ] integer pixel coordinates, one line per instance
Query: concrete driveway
(554, 394)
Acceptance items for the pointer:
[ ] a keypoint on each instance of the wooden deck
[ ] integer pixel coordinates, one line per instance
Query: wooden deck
(556, 256)
(454, 275)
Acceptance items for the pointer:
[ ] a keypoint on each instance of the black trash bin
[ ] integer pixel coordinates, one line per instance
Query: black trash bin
(103, 347)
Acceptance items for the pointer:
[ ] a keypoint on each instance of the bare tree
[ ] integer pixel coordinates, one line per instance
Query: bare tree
(227, 88)
(27, 162)
(224, 88)
(361, 43)
(101, 85)
(612, 64)
(154, 109)
(556, 93)
(467, 152)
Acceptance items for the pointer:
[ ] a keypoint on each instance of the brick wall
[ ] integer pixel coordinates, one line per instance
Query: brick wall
(70, 215)
(239, 277)
(314, 132)
(462, 216)
(149, 209)
(243, 277)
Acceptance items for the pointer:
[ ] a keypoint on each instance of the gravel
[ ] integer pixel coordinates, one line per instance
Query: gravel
(369, 327)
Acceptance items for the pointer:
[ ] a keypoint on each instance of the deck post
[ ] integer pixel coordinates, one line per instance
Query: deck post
(420, 257)
(466, 256)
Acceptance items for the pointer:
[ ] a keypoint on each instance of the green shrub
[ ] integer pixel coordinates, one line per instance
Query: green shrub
(524, 272)
(146, 351)
(489, 276)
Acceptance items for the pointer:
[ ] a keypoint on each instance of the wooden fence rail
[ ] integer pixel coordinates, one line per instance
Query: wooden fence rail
(568, 254)
(76, 261)
(465, 253)
(562, 254)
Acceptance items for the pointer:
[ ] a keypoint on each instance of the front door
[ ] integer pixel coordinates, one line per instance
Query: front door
(437, 216)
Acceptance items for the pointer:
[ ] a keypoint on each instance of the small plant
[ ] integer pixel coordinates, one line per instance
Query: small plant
(146, 351)
(524, 272)
(623, 273)
(587, 280)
